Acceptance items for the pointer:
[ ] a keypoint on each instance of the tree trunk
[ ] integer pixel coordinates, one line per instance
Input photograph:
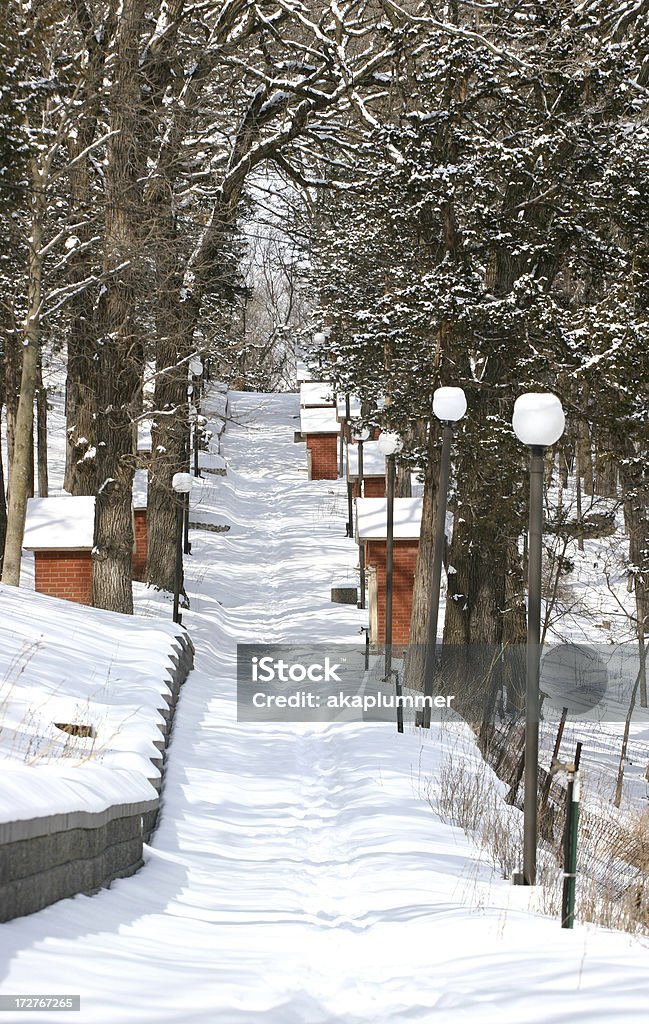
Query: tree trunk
(473, 625)
(606, 482)
(178, 315)
(617, 799)
(169, 429)
(119, 343)
(22, 466)
(12, 371)
(3, 504)
(81, 405)
(637, 520)
(585, 457)
(41, 434)
(403, 487)
(479, 556)
(414, 675)
(514, 636)
(81, 380)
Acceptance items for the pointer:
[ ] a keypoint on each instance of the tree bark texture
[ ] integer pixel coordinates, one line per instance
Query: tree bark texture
(3, 504)
(414, 675)
(119, 342)
(81, 380)
(12, 372)
(169, 428)
(41, 434)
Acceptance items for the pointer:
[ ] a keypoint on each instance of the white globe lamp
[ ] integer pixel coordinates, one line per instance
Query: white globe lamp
(449, 404)
(538, 419)
(389, 443)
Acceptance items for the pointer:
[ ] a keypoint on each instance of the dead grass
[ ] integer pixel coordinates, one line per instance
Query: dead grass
(613, 849)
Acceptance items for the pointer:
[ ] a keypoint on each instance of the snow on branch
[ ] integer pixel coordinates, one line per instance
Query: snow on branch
(457, 30)
(84, 153)
(68, 291)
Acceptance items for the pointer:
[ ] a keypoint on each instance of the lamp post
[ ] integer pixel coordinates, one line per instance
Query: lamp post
(538, 422)
(345, 433)
(187, 548)
(389, 444)
(344, 436)
(196, 370)
(449, 405)
(182, 485)
(360, 435)
(194, 430)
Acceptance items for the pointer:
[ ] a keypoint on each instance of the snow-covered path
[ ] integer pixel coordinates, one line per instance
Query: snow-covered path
(298, 875)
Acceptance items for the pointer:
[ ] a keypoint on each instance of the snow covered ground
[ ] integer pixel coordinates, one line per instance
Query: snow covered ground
(299, 874)
(67, 664)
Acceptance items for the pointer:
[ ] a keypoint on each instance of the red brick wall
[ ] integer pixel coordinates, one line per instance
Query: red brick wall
(141, 545)
(374, 487)
(403, 578)
(64, 574)
(324, 456)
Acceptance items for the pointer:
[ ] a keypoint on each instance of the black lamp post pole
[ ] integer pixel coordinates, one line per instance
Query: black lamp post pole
(360, 468)
(187, 548)
(389, 545)
(341, 455)
(361, 547)
(345, 429)
(436, 576)
(197, 471)
(535, 535)
(344, 436)
(180, 503)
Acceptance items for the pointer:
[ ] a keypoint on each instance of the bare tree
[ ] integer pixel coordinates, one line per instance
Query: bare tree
(22, 463)
(85, 196)
(50, 119)
(286, 75)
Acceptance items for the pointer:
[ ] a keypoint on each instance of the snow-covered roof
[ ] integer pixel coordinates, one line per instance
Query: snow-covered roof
(372, 518)
(316, 393)
(354, 406)
(67, 523)
(319, 421)
(140, 488)
(212, 460)
(302, 372)
(215, 403)
(60, 524)
(373, 460)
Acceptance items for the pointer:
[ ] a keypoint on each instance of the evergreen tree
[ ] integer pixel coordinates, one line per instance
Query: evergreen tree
(470, 254)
